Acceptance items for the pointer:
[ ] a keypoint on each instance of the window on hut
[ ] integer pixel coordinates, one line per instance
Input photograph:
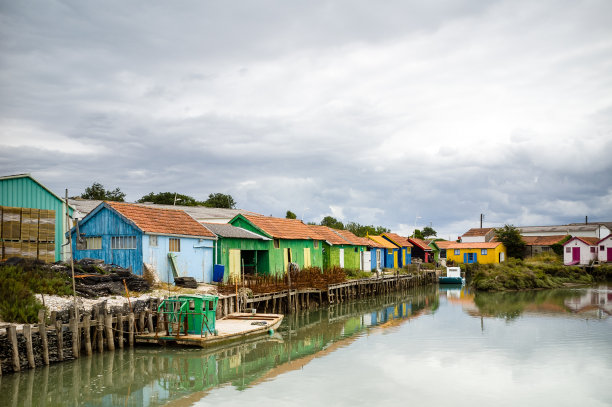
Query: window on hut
(174, 245)
(123, 242)
(93, 243)
(276, 243)
(153, 241)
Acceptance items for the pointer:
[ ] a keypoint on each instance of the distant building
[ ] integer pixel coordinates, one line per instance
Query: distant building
(535, 245)
(596, 230)
(604, 252)
(481, 235)
(580, 251)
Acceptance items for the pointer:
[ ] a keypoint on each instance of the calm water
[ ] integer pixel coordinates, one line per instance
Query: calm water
(427, 347)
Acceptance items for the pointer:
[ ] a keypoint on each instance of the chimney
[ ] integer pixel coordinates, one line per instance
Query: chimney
(586, 220)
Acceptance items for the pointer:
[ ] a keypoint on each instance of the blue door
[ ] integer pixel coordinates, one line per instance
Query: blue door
(469, 258)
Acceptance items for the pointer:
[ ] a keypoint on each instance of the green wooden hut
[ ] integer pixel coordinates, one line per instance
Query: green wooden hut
(33, 219)
(291, 241)
(238, 247)
(338, 250)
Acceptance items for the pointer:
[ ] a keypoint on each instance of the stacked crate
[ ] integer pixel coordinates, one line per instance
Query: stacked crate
(46, 235)
(27, 233)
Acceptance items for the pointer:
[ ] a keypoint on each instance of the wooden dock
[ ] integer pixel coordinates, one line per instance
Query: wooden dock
(52, 340)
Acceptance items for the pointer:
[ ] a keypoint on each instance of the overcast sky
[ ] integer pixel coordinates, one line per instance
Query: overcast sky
(390, 113)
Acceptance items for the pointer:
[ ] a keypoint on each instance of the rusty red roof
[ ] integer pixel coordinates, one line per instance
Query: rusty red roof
(542, 240)
(331, 235)
(590, 241)
(161, 221)
(477, 232)
(282, 228)
(419, 243)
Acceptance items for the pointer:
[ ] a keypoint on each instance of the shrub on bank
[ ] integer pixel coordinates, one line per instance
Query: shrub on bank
(516, 274)
(17, 288)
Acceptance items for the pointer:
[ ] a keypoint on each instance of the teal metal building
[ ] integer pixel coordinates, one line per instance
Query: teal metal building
(24, 191)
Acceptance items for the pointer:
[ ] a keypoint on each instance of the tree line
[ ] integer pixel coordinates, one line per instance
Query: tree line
(217, 200)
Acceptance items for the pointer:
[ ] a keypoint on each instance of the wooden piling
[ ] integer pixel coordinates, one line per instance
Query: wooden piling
(131, 329)
(60, 339)
(100, 333)
(149, 321)
(87, 329)
(42, 330)
(74, 328)
(120, 330)
(141, 322)
(27, 333)
(108, 325)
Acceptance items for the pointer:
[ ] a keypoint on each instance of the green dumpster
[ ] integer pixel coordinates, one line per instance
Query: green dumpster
(190, 314)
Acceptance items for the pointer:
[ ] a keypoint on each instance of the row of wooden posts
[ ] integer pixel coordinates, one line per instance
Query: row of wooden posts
(97, 330)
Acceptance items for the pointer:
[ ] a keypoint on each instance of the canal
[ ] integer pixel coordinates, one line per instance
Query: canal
(426, 346)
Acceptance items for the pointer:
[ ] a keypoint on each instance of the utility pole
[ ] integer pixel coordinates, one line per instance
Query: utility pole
(481, 219)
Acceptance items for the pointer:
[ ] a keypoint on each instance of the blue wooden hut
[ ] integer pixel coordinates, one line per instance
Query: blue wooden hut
(130, 235)
(405, 248)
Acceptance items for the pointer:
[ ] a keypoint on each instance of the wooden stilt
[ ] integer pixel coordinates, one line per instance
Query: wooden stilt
(110, 337)
(42, 330)
(60, 340)
(27, 333)
(120, 330)
(87, 329)
(74, 329)
(100, 331)
(131, 329)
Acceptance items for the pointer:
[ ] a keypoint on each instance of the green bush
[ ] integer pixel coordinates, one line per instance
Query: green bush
(17, 288)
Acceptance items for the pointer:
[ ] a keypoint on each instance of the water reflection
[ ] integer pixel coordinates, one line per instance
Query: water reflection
(591, 302)
(178, 376)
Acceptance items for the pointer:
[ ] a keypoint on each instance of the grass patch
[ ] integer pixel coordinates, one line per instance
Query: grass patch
(17, 288)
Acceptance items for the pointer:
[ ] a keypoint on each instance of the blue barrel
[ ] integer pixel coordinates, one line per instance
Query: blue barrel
(218, 272)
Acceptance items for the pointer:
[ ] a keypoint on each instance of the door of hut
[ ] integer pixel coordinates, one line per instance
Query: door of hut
(234, 264)
(341, 254)
(366, 261)
(307, 262)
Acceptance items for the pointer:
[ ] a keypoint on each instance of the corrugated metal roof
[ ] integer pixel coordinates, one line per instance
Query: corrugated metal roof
(17, 176)
(227, 230)
(561, 229)
(161, 221)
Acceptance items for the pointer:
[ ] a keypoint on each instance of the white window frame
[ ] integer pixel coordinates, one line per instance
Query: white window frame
(457, 252)
(123, 242)
(93, 243)
(153, 240)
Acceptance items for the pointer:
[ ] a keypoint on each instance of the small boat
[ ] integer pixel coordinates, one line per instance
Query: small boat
(191, 320)
(453, 276)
